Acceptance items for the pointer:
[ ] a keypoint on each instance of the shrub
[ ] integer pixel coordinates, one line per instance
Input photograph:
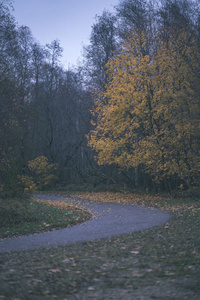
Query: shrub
(42, 171)
(27, 184)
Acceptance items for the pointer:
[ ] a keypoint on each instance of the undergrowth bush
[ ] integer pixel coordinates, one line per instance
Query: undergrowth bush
(27, 184)
(17, 180)
(43, 171)
(41, 175)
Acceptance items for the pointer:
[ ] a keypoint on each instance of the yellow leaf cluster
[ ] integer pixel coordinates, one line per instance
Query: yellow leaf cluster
(43, 171)
(28, 184)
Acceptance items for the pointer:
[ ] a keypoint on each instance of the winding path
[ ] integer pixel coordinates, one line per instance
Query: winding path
(109, 219)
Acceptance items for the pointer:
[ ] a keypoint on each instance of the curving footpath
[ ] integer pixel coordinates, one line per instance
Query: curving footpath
(109, 219)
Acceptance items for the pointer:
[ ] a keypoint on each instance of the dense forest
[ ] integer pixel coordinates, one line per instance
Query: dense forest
(129, 115)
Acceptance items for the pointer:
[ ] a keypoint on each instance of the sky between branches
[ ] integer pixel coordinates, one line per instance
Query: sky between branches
(69, 21)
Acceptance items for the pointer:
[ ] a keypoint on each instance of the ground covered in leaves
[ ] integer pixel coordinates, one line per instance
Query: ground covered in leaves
(26, 216)
(159, 263)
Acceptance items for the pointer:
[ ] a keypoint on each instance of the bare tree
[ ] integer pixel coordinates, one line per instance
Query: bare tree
(103, 44)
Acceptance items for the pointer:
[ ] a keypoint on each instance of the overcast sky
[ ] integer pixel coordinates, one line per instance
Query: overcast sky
(69, 21)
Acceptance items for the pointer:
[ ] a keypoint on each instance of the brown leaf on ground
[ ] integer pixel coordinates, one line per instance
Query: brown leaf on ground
(54, 270)
(134, 252)
(47, 292)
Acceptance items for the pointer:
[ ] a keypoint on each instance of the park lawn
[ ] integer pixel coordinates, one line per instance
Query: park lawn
(27, 216)
(159, 263)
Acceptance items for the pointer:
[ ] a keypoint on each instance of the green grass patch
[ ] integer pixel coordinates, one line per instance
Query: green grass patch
(22, 217)
(159, 263)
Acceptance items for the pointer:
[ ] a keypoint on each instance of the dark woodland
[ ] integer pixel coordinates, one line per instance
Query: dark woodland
(45, 110)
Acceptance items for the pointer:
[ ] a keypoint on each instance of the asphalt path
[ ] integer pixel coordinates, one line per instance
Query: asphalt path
(108, 220)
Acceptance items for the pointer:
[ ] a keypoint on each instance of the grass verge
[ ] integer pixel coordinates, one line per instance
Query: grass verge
(21, 217)
(160, 263)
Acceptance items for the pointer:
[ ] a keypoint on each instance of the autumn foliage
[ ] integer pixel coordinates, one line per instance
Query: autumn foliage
(42, 175)
(148, 114)
(43, 171)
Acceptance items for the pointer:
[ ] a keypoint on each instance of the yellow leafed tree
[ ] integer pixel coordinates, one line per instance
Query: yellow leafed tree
(149, 113)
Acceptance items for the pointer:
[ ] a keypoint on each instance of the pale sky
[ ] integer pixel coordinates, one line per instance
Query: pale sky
(69, 21)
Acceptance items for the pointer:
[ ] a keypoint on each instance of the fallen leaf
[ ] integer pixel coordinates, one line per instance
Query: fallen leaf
(37, 280)
(66, 260)
(73, 265)
(54, 271)
(134, 252)
(47, 292)
(169, 273)
(96, 279)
